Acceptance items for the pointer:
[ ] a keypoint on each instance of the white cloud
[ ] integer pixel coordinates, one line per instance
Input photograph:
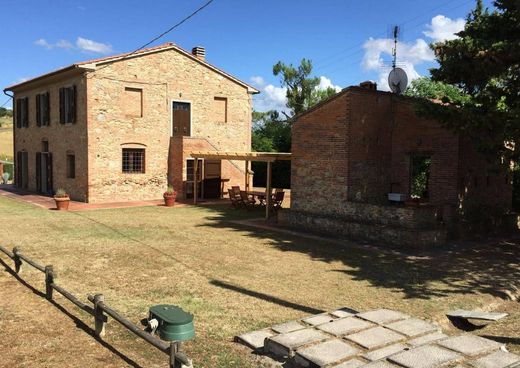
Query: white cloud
(326, 83)
(82, 44)
(87, 45)
(443, 28)
(275, 98)
(257, 81)
(409, 54)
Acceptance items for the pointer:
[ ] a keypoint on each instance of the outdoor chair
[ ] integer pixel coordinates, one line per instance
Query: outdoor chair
(236, 201)
(277, 200)
(236, 190)
(247, 200)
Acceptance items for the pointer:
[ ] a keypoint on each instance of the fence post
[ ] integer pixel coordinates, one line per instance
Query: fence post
(17, 260)
(174, 348)
(99, 317)
(49, 280)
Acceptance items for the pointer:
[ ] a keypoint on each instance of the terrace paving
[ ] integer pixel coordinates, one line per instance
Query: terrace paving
(374, 339)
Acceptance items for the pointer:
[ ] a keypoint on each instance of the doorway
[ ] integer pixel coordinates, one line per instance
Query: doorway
(22, 169)
(190, 178)
(420, 176)
(212, 177)
(44, 170)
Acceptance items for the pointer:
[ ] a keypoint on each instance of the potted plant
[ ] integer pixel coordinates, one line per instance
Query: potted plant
(169, 196)
(62, 200)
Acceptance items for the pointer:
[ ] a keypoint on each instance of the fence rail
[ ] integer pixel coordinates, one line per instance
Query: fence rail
(100, 311)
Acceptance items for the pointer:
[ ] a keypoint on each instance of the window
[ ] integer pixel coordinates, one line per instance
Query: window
(42, 109)
(71, 166)
(133, 102)
(68, 105)
(419, 176)
(181, 118)
(45, 145)
(220, 109)
(133, 160)
(22, 112)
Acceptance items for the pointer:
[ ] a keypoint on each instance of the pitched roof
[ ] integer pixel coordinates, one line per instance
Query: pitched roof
(93, 63)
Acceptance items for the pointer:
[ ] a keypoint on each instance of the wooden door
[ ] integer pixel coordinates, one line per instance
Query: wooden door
(181, 119)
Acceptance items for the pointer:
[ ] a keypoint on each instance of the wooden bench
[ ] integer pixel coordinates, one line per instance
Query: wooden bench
(460, 318)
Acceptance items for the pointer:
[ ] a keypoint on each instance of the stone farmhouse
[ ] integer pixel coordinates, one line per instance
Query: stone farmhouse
(359, 155)
(122, 127)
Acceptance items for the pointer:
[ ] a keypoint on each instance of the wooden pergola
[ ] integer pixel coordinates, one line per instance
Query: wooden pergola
(268, 157)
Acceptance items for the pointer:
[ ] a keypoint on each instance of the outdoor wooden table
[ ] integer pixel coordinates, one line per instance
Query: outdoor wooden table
(258, 194)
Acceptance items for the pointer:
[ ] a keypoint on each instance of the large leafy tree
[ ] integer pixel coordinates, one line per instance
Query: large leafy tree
(302, 89)
(484, 62)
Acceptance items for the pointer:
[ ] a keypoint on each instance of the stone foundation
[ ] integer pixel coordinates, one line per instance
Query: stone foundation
(402, 226)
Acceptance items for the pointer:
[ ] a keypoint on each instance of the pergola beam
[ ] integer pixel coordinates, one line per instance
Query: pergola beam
(241, 156)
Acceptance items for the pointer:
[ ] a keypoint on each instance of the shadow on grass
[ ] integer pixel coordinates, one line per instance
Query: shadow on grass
(487, 267)
(79, 323)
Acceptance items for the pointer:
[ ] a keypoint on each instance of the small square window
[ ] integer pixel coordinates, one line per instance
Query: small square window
(71, 166)
(133, 160)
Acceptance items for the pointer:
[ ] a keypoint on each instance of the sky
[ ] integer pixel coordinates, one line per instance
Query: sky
(348, 41)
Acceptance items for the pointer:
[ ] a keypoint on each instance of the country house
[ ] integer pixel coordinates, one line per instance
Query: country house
(122, 127)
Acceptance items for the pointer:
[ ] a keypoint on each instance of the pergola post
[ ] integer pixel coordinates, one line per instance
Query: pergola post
(247, 175)
(268, 198)
(195, 179)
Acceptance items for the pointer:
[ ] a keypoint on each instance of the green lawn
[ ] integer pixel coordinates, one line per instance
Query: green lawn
(236, 279)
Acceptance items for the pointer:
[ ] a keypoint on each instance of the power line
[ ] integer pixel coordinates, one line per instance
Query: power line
(162, 34)
(5, 103)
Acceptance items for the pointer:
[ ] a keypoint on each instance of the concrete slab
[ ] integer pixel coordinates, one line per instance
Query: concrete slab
(466, 314)
(426, 356)
(288, 327)
(319, 319)
(255, 340)
(383, 316)
(343, 312)
(426, 339)
(284, 345)
(375, 337)
(380, 364)
(499, 359)
(351, 363)
(470, 344)
(345, 326)
(384, 352)
(412, 327)
(324, 353)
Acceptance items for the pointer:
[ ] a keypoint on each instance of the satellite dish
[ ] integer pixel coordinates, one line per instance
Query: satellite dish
(398, 80)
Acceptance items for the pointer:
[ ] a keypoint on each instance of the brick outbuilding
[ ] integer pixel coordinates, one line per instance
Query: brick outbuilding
(122, 127)
(362, 147)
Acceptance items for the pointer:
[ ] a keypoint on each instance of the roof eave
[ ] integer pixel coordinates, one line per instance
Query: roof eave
(72, 67)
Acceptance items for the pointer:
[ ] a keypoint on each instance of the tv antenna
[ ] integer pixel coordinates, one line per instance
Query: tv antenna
(397, 79)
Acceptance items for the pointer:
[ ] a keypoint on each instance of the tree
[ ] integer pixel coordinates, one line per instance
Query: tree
(426, 88)
(484, 62)
(302, 90)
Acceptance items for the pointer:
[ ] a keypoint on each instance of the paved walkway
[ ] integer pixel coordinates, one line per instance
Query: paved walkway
(381, 338)
(48, 202)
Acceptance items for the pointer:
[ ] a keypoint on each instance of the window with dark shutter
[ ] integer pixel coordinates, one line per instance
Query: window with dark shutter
(133, 160)
(42, 109)
(22, 112)
(71, 166)
(68, 105)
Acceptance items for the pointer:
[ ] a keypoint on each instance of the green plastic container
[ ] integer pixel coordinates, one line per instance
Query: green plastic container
(174, 323)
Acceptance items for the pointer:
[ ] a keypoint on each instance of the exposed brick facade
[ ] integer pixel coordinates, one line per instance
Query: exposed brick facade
(109, 119)
(356, 148)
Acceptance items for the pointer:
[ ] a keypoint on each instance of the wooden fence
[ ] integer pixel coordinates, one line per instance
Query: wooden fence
(100, 311)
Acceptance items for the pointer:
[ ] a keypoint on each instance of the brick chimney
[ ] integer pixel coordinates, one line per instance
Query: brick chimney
(199, 52)
(369, 85)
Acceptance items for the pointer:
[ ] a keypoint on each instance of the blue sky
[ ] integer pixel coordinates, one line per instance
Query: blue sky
(346, 39)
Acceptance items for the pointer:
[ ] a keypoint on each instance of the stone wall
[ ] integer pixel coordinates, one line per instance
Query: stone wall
(62, 138)
(164, 77)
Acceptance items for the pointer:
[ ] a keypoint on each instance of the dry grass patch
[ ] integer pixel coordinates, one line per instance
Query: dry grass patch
(237, 279)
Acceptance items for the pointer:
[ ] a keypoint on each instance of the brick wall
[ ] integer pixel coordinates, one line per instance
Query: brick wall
(62, 138)
(357, 148)
(319, 158)
(164, 77)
